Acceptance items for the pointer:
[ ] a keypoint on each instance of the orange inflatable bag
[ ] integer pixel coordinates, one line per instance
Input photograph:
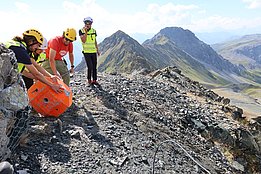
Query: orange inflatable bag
(46, 101)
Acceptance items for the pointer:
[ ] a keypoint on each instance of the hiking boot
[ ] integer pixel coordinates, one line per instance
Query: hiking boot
(95, 82)
(89, 83)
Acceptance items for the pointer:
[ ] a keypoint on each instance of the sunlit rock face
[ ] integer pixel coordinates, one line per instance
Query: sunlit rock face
(13, 98)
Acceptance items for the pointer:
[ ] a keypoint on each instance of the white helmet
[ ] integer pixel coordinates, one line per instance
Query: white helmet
(88, 19)
(44, 45)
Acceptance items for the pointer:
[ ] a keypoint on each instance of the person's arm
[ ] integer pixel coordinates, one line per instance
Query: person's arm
(97, 49)
(40, 69)
(40, 77)
(71, 58)
(83, 34)
(52, 54)
(43, 71)
(28, 74)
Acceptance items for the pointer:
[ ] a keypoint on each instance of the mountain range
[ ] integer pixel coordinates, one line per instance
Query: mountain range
(171, 46)
(245, 51)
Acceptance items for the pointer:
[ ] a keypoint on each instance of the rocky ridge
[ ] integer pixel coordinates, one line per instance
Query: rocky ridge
(159, 123)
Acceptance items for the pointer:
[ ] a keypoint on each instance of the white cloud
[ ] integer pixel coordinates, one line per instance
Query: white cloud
(23, 7)
(253, 4)
(149, 21)
(220, 23)
(14, 22)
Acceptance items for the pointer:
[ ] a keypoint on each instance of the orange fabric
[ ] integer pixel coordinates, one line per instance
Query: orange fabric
(58, 45)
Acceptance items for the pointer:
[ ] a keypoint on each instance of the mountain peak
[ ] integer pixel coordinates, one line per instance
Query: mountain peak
(175, 34)
(187, 41)
(120, 34)
(122, 53)
(120, 31)
(175, 29)
(179, 34)
(119, 37)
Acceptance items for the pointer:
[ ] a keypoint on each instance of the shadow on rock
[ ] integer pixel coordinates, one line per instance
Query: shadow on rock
(111, 102)
(81, 125)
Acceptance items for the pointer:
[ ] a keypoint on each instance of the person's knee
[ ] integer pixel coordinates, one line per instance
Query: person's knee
(6, 168)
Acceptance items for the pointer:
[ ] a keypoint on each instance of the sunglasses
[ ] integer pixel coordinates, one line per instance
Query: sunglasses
(88, 23)
(34, 44)
(68, 40)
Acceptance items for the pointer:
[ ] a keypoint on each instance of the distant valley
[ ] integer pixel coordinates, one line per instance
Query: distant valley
(246, 52)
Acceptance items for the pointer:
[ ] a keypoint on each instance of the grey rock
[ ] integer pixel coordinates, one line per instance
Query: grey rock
(13, 101)
(137, 114)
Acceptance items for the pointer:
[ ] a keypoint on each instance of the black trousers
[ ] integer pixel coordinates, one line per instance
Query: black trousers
(28, 82)
(91, 61)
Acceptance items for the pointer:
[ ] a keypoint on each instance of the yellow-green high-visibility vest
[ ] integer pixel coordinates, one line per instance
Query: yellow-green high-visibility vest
(8, 44)
(89, 45)
(40, 58)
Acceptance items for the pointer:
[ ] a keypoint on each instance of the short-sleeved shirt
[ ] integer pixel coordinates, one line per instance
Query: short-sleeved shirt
(80, 33)
(21, 54)
(58, 45)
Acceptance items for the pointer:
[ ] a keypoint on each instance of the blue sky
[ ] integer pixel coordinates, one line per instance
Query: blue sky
(134, 17)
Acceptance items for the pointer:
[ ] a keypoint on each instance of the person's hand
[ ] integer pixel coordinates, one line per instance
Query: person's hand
(72, 70)
(58, 74)
(85, 29)
(55, 78)
(57, 88)
(98, 52)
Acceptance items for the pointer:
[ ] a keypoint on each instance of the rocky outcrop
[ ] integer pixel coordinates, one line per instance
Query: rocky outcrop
(13, 101)
(161, 123)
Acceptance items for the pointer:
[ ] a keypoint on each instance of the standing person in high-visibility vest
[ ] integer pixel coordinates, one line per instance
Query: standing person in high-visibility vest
(57, 48)
(90, 49)
(37, 57)
(22, 47)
